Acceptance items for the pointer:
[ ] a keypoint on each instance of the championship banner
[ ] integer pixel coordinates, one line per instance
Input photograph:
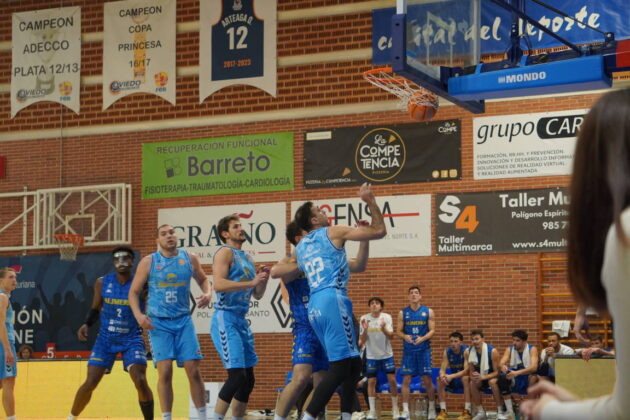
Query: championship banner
(267, 315)
(46, 62)
(52, 299)
(139, 49)
(502, 222)
(525, 145)
(418, 152)
(237, 45)
(223, 165)
(407, 218)
(196, 228)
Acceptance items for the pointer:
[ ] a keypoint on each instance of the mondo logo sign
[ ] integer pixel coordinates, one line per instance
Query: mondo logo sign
(380, 154)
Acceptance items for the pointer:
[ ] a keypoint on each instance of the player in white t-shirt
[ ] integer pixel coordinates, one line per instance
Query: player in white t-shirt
(377, 329)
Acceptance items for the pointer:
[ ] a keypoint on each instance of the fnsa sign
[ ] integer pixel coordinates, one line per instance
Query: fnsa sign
(196, 229)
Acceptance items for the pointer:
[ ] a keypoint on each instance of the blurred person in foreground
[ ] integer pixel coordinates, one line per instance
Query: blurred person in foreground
(599, 253)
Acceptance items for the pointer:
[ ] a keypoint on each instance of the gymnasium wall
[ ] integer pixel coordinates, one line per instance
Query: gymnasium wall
(320, 61)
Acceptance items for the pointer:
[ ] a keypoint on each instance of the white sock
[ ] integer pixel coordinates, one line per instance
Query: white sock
(71, 417)
(217, 416)
(307, 416)
(167, 416)
(201, 413)
(406, 407)
(467, 407)
(277, 417)
(395, 403)
(480, 409)
(443, 405)
(508, 405)
(431, 406)
(346, 416)
(11, 417)
(372, 401)
(500, 410)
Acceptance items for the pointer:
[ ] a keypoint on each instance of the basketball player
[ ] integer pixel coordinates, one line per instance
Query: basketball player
(416, 326)
(377, 330)
(118, 333)
(235, 281)
(481, 361)
(171, 331)
(453, 376)
(518, 364)
(8, 283)
(322, 256)
(309, 357)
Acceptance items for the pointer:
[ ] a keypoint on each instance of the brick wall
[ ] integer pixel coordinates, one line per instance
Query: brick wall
(493, 292)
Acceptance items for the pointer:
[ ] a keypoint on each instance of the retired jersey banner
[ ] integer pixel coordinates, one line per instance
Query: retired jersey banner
(139, 49)
(502, 222)
(237, 45)
(525, 145)
(404, 153)
(46, 62)
(267, 315)
(407, 218)
(223, 165)
(264, 226)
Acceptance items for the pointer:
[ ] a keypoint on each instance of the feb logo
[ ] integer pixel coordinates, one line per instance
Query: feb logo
(161, 79)
(65, 88)
(238, 5)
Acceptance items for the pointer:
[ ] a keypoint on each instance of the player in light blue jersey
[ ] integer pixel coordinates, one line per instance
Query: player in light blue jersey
(235, 281)
(8, 283)
(321, 256)
(171, 331)
(119, 332)
(416, 326)
(309, 357)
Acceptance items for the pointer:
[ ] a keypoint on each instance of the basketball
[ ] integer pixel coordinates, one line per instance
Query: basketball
(421, 112)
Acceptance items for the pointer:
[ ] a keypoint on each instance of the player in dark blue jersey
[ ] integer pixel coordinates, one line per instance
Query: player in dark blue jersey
(453, 377)
(321, 255)
(167, 320)
(416, 326)
(309, 357)
(8, 283)
(236, 280)
(118, 333)
(481, 361)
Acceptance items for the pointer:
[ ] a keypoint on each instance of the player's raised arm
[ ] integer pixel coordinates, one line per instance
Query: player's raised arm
(375, 230)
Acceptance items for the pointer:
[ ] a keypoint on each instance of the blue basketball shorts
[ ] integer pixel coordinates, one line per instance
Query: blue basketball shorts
(520, 385)
(330, 315)
(416, 362)
(106, 349)
(307, 349)
(373, 366)
(8, 371)
(174, 339)
(233, 340)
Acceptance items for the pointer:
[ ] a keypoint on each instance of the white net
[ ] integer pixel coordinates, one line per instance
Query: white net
(405, 89)
(68, 246)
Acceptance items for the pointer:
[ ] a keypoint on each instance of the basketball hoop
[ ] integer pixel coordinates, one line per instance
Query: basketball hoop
(68, 245)
(422, 104)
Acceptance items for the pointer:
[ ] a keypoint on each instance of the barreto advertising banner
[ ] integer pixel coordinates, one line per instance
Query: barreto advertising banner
(402, 153)
(502, 222)
(525, 145)
(407, 218)
(222, 165)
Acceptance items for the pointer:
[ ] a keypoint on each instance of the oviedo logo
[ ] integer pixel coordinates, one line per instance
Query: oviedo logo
(380, 154)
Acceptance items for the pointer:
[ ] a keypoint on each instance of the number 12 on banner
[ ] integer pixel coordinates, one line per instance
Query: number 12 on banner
(465, 218)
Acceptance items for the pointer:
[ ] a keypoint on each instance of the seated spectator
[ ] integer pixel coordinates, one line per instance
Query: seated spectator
(596, 349)
(547, 367)
(453, 377)
(481, 361)
(518, 363)
(25, 352)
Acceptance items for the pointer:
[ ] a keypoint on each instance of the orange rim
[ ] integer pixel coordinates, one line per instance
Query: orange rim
(372, 74)
(70, 238)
